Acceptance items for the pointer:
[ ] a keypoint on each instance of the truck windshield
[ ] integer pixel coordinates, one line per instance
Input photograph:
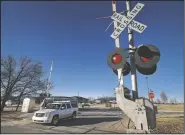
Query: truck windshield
(53, 106)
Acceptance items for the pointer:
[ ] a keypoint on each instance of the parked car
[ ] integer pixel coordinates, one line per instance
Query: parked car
(85, 104)
(53, 112)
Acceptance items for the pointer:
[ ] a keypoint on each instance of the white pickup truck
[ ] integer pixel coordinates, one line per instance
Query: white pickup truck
(53, 112)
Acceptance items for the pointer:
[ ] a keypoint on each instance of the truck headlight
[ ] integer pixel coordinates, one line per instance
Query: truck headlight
(47, 114)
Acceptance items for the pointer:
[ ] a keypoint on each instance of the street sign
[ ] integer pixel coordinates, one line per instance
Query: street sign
(125, 20)
(137, 26)
(151, 95)
(118, 17)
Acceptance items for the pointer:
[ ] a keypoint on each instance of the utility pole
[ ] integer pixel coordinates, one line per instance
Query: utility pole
(132, 60)
(148, 90)
(78, 97)
(147, 87)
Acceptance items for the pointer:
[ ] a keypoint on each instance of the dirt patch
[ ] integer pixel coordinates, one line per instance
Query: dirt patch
(12, 118)
(4, 113)
(14, 115)
(10, 115)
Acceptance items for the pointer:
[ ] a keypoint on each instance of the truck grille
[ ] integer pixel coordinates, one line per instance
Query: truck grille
(40, 114)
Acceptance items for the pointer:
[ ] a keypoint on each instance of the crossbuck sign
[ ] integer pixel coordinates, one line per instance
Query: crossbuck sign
(128, 21)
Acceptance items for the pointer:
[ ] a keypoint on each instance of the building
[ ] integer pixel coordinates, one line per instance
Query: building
(98, 101)
(81, 99)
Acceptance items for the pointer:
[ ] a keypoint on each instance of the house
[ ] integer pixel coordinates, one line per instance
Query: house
(113, 102)
(98, 101)
(60, 98)
(113, 99)
(81, 99)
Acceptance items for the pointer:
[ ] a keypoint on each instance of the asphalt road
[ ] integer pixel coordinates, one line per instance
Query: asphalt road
(86, 122)
(94, 121)
(16, 129)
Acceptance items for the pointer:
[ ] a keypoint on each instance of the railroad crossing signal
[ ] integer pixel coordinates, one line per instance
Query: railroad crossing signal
(125, 71)
(117, 62)
(146, 71)
(146, 59)
(116, 59)
(126, 20)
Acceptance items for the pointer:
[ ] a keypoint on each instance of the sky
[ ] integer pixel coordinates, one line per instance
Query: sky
(70, 34)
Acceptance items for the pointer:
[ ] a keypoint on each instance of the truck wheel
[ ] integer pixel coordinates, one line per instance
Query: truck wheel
(55, 120)
(73, 116)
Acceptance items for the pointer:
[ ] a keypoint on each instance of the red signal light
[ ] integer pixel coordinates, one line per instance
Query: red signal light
(116, 59)
(144, 59)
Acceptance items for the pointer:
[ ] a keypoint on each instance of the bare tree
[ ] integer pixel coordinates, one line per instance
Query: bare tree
(30, 88)
(90, 99)
(163, 97)
(23, 79)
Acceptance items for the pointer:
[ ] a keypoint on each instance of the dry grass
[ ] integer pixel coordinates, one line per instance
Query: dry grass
(164, 107)
(171, 107)
(98, 106)
(165, 125)
(102, 106)
(169, 124)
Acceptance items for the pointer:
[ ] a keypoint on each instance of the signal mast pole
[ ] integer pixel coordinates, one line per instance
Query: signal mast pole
(117, 43)
(132, 60)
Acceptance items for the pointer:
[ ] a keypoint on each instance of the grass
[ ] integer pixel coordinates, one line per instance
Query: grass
(165, 125)
(102, 106)
(171, 107)
(169, 124)
(164, 107)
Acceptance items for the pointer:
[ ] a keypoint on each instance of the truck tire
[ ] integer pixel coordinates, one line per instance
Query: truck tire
(73, 115)
(55, 120)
